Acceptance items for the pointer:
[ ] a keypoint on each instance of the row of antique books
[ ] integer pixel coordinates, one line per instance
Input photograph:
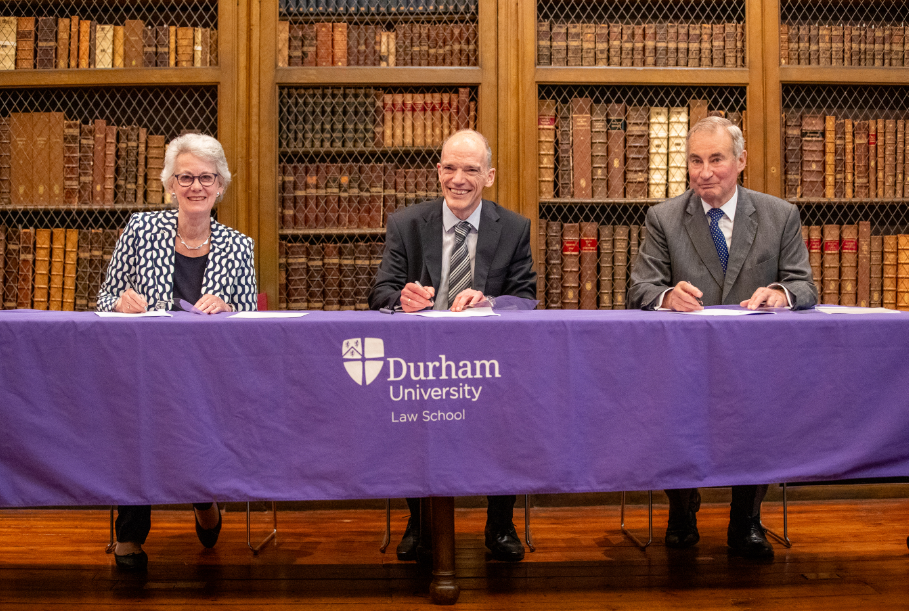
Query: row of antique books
(691, 45)
(46, 160)
(45, 43)
(842, 45)
(54, 269)
(852, 267)
(318, 8)
(586, 265)
(366, 118)
(328, 276)
(832, 157)
(613, 151)
(350, 195)
(341, 44)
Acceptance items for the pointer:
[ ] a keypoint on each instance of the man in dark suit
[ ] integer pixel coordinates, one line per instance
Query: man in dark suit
(450, 253)
(719, 243)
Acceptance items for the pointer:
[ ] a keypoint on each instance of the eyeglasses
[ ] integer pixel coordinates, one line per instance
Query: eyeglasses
(187, 180)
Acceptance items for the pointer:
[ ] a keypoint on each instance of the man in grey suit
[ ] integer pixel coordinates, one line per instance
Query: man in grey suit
(450, 253)
(719, 243)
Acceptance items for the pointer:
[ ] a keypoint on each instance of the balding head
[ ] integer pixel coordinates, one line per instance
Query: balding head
(471, 136)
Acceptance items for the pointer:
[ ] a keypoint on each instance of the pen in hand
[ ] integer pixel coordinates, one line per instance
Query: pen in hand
(432, 300)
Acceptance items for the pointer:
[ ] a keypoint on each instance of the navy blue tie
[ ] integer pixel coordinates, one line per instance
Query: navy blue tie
(719, 240)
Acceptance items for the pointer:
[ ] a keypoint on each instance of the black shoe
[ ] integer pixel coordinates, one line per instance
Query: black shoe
(682, 530)
(504, 543)
(746, 538)
(137, 561)
(407, 548)
(208, 537)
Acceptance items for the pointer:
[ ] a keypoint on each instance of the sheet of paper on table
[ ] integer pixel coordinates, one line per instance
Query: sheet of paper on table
(149, 314)
(722, 312)
(853, 310)
(268, 315)
(468, 313)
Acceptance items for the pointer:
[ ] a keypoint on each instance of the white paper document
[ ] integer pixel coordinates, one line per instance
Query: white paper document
(149, 314)
(468, 313)
(854, 310)
(268, 315)
(717, 312)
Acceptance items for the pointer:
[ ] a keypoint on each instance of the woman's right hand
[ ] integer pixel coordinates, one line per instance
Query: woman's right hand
(131, 302)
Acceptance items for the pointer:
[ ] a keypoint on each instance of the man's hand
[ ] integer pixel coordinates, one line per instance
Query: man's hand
(415, 298)
(465, 298)
(767, 297)
(684, 297)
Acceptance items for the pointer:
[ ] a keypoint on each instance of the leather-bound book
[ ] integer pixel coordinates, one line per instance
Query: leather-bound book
(206, 47)
(85, 40)
(141, 165)
(351, 124)
(615, 142)
(448, 126)
(831, 283)
(588, 44)
(323, 44)
(132, 163)
(11, 269)
(120, 176)
(155, 163)
(108, 243)
(706, 44)
(546, 148)
(905, 161)
(172, 50)
(889, 271)
(554, 265)
(889, 173)
(902, 272)
(287, 196)
(599, 151)
(829, 156)
(634, 245)
(119, 46)
(55, 158)
(539, 258)
(338, 110)
(363, 277)
(812, 156)
(315, 278)
(331, 269)
(162, 46)
(424, 44)
(133, 36)
(83, 270)
(41, 292)
(784, 44)
(587, 293)
(70, 257)
(307, 45)
(683, 33)
(407, 123)
(371, 191)
(339, 44)
(672, 44)
(848, 35)
(73, 42)
(839, 189)
(86, 163)
(559, 44)
(5, 169)
(602, 44)
(100, 150)
(104, 46)
(866, 46)
(661, 51)
(637, 158)
(46, 43)
(2, 264)
(389, 199)
(311, 208)
(26, 268)
(403, 45)
(420, 185)
(825, 46)
(9, 27)
(436, 118)
(627, 45)
(619, 266)
(863, 271)
(110, 164)
(793, 45)
(697, 110)
(22, 155)
(638, 44)
(580, 148)
(563, 167)
(321, 206)
(804, 57)
(571, 265)
(836, 45)
(881, 154)
(900, 158)
(150, 47)
(25, 43)
(862, 160)
(816, 255)
(398, 120)
(658, 152)
(297, 273)
(197, 48)
(898, 52)
(877, 271)
(464, 106)
(282, 275)
(888, 42)
(650, 44)
(729, 47)
(814, 44)
(40, 150)
(606, 238)
(848, 159)
(575, 50)
(388, 120)
(332, 195)
(849, 248)
(678, 166)
(347, 271)
(878, 46)
(410, 187)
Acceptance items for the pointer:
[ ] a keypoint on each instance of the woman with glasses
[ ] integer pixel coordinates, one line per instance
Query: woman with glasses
(173, 255)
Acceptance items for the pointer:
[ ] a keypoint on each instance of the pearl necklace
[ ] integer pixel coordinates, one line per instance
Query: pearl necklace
(188, 247)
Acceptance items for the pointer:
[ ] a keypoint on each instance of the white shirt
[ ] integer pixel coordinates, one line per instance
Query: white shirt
(449, 222)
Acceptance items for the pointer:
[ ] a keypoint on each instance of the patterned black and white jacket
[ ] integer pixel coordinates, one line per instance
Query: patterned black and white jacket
(144, 261)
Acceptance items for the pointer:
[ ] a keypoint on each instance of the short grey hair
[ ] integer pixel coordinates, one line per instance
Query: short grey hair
(713, 125)
(198, 145)
(478, 136)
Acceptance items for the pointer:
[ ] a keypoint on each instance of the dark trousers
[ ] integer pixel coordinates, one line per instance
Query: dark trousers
(746, 501)
(499, 509)
(134, 521)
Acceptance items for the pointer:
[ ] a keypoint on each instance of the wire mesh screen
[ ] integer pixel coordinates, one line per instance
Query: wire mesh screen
(605, 153)
(699, 34)
(107, 34)
(843, 33)
(74, 164)
(377, 33)
(349, 157)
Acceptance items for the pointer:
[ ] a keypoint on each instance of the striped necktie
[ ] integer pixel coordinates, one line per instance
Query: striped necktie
(719, 240)
(459, 265)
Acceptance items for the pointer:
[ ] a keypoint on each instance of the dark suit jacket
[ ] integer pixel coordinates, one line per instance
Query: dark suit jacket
(413, 252)
(767, 247)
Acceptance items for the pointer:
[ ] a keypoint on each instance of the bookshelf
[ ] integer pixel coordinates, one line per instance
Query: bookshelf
(376, 169)
(114, 81)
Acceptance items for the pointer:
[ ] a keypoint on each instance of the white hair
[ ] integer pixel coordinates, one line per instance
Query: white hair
(197, 145)
(715, 124)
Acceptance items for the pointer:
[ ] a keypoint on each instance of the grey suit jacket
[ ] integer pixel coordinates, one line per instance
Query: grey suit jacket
(767, 247)
(413, 252)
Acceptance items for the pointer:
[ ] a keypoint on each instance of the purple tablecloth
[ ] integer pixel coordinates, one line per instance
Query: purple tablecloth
(98, 411)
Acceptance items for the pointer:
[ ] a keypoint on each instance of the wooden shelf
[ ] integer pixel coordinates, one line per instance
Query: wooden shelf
(400, 150)
(333, 231)
(100, 77)
(839, 201)
(83, 208)
(844, 75)
(411, 76)
(367, 17)
(558, 201)
(603, 75)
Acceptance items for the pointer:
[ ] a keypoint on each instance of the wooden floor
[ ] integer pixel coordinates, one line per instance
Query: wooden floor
(845, 555)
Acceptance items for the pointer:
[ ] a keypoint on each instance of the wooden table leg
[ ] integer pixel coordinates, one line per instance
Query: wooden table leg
(444, 588)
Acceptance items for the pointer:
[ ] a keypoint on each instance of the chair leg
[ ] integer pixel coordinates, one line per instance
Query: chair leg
(649, 522)
(784, 540)
(387, 538)
(113, 542)
(528, 536)
(271, 536)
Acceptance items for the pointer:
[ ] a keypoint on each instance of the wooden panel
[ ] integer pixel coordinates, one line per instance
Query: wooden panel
(641, 76)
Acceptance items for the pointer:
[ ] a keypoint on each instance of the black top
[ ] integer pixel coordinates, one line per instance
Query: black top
(188, 275)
